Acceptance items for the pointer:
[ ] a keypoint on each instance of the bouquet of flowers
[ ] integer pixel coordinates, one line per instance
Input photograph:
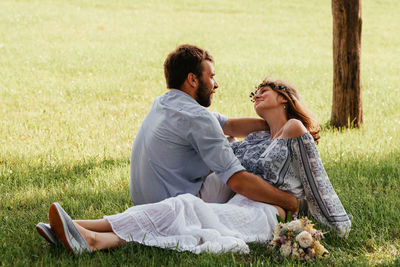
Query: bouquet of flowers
(298, 239)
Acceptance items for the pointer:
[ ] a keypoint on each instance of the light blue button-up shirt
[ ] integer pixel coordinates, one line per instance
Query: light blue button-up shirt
(178, 143)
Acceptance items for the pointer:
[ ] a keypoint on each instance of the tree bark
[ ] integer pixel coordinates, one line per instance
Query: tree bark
(346, 102)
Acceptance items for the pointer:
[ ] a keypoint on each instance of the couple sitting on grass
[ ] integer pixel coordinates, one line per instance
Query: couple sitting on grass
(194, 190)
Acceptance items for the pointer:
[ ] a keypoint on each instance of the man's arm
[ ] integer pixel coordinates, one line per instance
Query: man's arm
(255, 188)
(241, 127)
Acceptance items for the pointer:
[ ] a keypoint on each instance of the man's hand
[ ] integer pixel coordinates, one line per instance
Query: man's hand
(255, 188)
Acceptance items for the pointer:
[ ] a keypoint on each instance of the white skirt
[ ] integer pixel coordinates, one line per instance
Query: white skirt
(187, 223)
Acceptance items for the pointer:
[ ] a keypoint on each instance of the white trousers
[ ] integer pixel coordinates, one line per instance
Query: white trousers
(214, 190)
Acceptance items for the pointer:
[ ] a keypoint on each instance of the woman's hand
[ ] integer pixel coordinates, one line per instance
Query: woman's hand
(281, 212)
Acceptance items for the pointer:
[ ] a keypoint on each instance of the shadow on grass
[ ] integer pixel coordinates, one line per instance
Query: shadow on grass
(30, 185)
(20, 242)
(87, 189)
(25, 174)
(369, 189)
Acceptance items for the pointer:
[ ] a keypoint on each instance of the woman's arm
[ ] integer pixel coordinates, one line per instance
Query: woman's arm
(322, 200)
(241, 127)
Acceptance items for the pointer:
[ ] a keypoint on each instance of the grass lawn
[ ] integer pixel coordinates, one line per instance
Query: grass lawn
(78, 77)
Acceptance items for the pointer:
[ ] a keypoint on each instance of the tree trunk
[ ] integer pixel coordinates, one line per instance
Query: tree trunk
(346, 102)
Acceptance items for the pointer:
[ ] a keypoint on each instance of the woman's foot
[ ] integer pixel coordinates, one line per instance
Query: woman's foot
(102, 240)
(45, 231)
(88, 235)
(66, 231)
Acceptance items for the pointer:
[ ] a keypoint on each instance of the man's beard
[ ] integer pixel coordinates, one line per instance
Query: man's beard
(203, 95)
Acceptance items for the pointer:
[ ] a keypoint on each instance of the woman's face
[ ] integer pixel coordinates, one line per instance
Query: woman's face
(266, 98)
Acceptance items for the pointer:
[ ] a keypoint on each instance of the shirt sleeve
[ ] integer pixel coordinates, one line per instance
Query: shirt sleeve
(221, 118)
(207, 138)
(322, 200)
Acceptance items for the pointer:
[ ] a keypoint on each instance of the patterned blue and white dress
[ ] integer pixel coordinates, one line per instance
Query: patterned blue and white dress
(294, 165)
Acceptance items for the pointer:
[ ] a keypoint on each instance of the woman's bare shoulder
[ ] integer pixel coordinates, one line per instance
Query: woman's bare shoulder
(293, 129)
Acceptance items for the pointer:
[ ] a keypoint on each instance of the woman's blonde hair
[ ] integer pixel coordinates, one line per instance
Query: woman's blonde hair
(294, 107)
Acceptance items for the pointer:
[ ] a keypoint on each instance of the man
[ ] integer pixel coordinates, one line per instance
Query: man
(180, 141)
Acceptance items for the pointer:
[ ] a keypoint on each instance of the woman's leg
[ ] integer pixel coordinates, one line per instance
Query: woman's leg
(99, 240)
(101, 225)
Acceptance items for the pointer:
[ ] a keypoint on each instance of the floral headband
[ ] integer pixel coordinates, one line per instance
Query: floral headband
(274, 85)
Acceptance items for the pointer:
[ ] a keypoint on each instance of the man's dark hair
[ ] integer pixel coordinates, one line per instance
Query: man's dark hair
(183, 60)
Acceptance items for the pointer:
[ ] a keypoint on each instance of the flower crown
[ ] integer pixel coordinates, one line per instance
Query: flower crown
(273, 85)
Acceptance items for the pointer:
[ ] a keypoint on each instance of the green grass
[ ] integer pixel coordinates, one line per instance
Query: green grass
(78, 77)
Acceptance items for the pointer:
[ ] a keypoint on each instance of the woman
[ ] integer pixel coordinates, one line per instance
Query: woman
(285, 156)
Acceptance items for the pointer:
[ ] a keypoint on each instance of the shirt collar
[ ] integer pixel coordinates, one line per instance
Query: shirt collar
(183, 94)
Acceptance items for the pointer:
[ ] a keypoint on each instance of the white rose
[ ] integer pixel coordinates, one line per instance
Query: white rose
(305, 239)
(286, 249)
(294, 225)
